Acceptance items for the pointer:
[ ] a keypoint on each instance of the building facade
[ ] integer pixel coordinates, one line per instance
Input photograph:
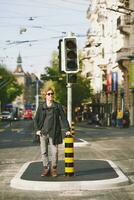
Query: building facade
(108, 54)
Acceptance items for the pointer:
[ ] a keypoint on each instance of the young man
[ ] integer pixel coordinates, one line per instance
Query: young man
(48, 127)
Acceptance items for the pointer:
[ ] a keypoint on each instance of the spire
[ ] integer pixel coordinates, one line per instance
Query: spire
(19, 59)
(19, 68)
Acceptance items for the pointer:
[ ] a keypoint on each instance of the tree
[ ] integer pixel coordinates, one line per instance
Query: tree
(81, 90)
(9, 88)
(58, 80)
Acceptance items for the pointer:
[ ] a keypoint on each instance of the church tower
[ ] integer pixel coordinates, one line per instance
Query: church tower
(19, 73)
(21, 79)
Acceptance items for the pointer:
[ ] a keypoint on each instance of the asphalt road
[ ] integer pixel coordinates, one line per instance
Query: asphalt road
(17, 147)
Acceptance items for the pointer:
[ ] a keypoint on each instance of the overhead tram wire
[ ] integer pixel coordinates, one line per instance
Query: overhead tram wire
(74, 2)
(52, 5)
(19, 42)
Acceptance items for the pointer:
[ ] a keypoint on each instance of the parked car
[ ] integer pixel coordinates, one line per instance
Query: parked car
(28, 114)
(6, 115)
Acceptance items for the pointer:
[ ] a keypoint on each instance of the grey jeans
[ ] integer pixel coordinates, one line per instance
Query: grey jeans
(45, 141)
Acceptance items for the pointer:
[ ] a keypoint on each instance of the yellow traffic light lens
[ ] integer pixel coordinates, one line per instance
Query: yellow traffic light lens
(71, 55)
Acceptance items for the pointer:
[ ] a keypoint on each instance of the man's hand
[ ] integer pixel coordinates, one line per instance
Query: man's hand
(68, 133)
(38, 133)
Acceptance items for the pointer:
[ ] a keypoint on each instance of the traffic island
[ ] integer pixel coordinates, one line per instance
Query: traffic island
(89, 175)
(80, 142)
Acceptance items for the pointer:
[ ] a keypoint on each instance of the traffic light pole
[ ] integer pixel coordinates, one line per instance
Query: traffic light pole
(69, 63)
(37, 94)
(69, 102)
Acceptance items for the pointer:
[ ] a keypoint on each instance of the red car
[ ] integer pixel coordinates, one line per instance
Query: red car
(28, 114)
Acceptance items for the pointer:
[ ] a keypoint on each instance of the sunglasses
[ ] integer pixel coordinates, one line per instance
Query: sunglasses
(50, 94)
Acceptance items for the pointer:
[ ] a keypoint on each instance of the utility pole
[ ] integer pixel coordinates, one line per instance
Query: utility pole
(37, 94)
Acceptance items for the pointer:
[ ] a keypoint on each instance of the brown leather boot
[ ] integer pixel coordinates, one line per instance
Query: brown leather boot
(46, 171)
(54, 171)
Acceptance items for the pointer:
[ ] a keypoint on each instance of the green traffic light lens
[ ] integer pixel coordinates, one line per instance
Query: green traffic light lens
(71, 65)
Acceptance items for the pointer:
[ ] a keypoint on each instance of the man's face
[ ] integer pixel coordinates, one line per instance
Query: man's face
(50, 95)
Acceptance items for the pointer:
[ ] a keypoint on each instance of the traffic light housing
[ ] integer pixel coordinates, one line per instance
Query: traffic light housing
(72, 78)
(70, 62)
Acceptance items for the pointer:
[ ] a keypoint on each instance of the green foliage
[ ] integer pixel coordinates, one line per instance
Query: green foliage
(9, 88)
(81, 91)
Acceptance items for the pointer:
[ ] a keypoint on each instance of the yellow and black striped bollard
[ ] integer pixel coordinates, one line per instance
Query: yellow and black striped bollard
(69, 155)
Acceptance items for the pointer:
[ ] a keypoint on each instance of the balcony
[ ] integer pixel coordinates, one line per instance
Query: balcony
(123, 53)
(125, 3)
(124, 24)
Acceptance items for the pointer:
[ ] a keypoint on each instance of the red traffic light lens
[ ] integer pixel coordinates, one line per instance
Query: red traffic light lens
(70, 44)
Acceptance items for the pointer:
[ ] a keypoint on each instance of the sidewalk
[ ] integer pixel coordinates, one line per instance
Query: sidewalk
(85, 124)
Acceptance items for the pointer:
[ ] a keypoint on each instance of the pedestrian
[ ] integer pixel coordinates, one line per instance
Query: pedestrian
(47, 122)
(119, 118)
(126, 119)
(113, 118)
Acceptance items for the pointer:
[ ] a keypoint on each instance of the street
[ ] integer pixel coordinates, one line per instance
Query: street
(17, 147)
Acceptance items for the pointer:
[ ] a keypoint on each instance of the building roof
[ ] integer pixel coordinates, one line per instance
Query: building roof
(19, 68)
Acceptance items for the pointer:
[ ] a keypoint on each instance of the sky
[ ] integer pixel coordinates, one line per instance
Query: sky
(34, 27)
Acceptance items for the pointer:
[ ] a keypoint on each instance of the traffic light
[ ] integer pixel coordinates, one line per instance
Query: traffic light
(70, 62)
(72, 78)
(60, 54)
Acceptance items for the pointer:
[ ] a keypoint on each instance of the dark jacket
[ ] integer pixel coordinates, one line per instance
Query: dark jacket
(59, 116)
